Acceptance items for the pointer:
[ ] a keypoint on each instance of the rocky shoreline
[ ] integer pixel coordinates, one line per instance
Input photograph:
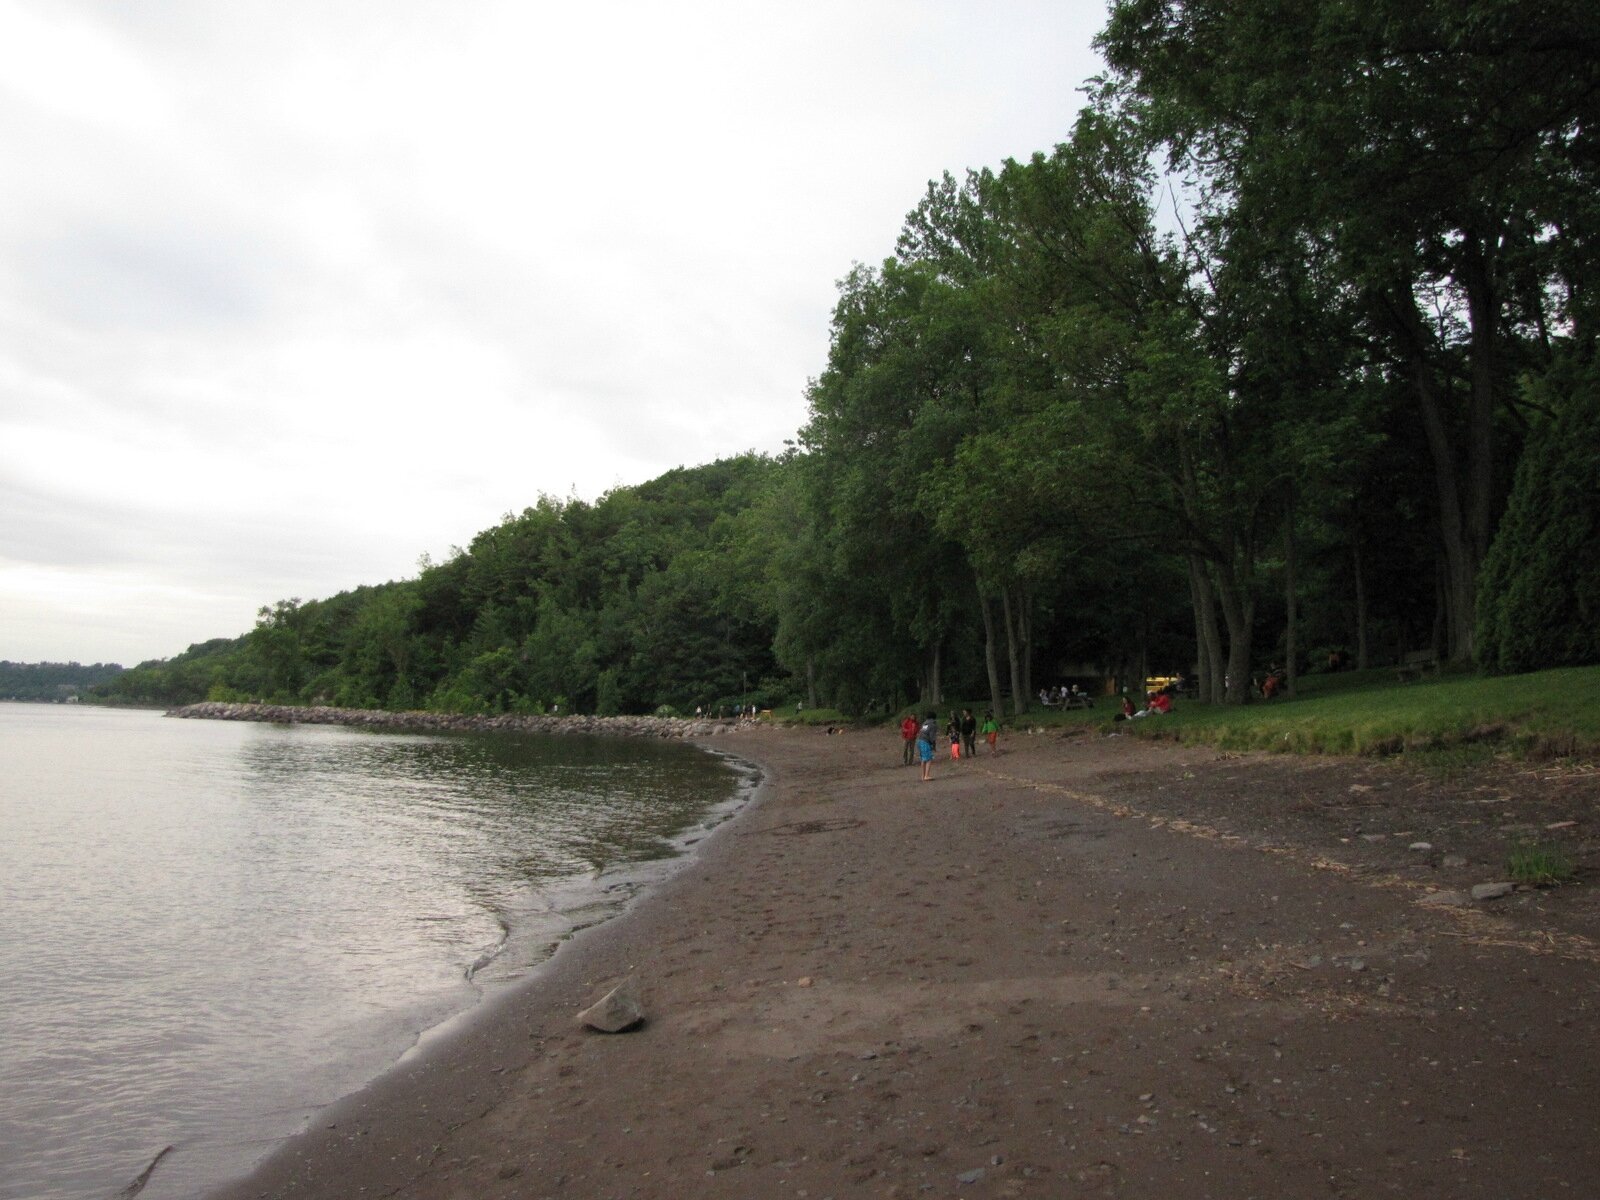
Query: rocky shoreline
(430, 722)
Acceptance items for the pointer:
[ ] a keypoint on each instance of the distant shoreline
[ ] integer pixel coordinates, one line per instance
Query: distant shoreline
(371, 718)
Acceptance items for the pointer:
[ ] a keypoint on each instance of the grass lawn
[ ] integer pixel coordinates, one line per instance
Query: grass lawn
(1548, 714)
(1452, 719)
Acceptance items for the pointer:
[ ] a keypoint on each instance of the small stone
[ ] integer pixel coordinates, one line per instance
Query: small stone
(803, 981)
(510, 1171)
(1420, 846)
(1561, 825)
(1446, 899)
(1492, 891)
(1373, 837)
(972, 1176)
(1451, 861)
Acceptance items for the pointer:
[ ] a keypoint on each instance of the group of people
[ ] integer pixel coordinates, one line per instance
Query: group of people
(1155, 704)
(741, 712)
(1065, 697)
(962, 729)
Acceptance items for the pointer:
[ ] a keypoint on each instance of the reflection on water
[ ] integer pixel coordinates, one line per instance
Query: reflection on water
(211, 928)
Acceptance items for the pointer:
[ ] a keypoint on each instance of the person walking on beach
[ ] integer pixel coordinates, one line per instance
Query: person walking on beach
(969, 733)
(908, 734)
(927, 738)
(991, 732)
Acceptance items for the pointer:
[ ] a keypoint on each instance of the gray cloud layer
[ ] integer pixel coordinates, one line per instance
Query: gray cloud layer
(292, 295)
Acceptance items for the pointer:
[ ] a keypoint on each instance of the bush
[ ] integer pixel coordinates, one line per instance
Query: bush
(1539, 590)
(608, 693)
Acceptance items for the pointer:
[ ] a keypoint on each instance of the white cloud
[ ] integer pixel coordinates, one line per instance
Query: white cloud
(290, 295)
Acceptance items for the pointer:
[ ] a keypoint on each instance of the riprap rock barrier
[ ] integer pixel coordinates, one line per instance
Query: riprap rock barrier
(289, 714)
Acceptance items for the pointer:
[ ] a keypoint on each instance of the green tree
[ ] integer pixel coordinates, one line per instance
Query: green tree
(1434, 149)
(1539, 603)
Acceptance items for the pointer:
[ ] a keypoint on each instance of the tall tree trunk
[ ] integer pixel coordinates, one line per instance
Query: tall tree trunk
(1025, 636)
(1019, 697)
(1458, 540)
(1238, 615)
(811, 682)
(1291, 649)
(1208, 648)
(1144, 652)
(1439, 635)
(1363, 655)
(990, 652)
(1478, 275)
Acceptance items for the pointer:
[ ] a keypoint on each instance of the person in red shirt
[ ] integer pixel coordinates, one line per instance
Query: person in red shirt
(1157, 703)
(908, 732)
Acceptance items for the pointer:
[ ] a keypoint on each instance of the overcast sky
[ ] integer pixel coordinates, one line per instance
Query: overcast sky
(293, 293)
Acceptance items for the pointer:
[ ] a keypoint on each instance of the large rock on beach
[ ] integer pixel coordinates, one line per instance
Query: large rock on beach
(618, 1011)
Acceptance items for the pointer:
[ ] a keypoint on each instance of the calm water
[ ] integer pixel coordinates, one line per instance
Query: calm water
(208, 929)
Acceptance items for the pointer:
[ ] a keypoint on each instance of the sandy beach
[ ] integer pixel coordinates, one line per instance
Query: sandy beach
(1083, 967)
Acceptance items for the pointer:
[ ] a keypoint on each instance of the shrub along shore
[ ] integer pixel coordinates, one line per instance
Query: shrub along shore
(288, 714)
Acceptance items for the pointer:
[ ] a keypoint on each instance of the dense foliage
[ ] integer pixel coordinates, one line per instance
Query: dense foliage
(652, 596)
(1239, 373)
(52, 682)
(1539, 603)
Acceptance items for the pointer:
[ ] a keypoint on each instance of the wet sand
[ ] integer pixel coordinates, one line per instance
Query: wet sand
(1058, 971)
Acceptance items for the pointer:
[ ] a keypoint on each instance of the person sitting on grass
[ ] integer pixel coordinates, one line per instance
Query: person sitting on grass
(1158, 703)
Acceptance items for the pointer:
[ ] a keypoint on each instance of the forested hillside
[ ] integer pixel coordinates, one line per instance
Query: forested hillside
(1239, 373)
(52, 682)
(652, 595)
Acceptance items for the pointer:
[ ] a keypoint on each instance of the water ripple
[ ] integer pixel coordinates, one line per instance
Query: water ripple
(211, 928)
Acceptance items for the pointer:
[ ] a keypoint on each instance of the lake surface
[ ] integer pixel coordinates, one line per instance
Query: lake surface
(210, 929)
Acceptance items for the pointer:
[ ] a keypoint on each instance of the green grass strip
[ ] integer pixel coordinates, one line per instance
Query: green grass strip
(1547, 714)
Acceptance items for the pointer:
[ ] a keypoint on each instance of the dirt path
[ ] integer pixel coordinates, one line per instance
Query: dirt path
(1089, 968)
